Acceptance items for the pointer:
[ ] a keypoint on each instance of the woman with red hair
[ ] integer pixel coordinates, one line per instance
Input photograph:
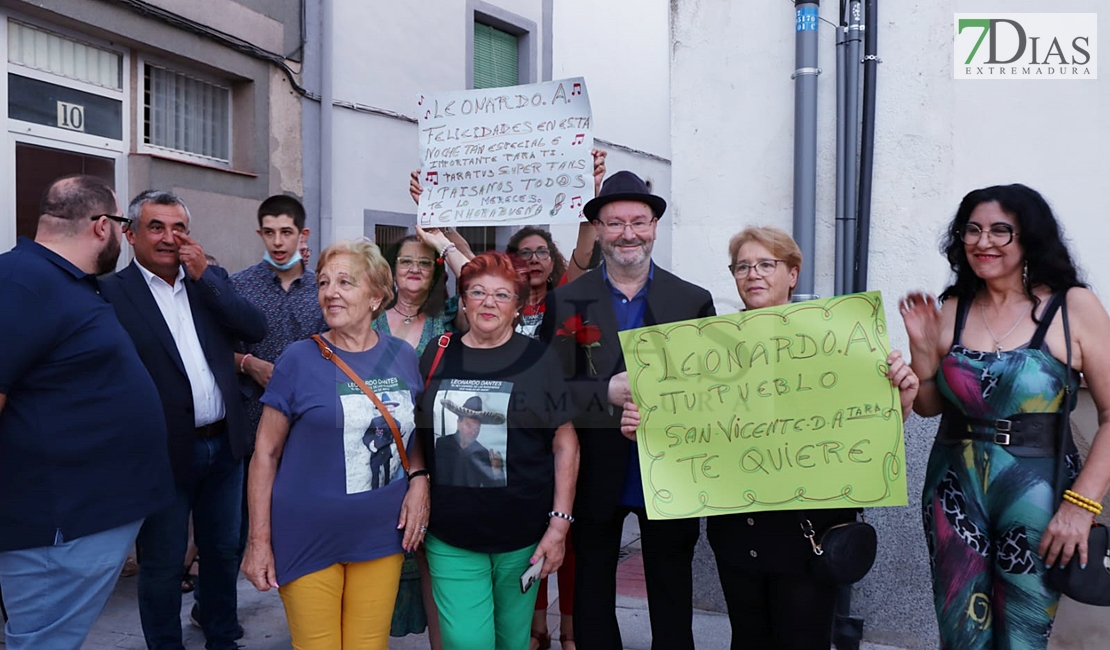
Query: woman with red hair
(503, 456)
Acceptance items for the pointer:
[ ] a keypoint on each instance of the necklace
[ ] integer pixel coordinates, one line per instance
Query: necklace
(998, 340)
(408, 317)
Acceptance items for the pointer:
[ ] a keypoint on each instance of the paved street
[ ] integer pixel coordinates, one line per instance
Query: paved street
(263, 617)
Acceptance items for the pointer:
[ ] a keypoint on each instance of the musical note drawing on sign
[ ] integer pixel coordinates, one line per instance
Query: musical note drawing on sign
(420, 102)
(576, 89)
(575, 202)
(428, 114)
(578, 139)
(432, 177)
(558, 203)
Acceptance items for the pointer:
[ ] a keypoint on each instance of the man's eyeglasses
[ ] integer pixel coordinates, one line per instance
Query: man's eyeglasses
(762, 268)
(126, 222)
(479, 295)
(527, 253)
(999, 234)
(639, 226)
(407, 263)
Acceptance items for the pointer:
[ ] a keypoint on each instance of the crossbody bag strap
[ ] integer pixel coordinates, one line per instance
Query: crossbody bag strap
(444, 341)
(1065, 421)
(328, 353)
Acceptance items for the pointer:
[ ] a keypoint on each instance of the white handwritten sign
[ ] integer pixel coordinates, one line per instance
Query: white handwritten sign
(518, 155)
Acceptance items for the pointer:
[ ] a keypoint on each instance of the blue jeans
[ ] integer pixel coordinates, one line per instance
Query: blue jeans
(214, 496)
(53, 594)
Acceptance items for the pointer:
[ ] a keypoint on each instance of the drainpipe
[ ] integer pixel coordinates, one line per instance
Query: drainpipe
(327, 32)
(805, 140)
(871, 63)
(851, 140)
(841, 188)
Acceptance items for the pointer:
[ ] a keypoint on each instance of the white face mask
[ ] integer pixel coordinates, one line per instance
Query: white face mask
(296, 259)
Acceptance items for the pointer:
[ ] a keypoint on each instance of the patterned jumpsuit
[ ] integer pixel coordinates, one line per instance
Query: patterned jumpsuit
(985, 508)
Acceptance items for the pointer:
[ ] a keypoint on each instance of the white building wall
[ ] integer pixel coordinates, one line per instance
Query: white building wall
(936, 139)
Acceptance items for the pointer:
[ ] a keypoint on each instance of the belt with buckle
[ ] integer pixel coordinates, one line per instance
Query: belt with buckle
(211, 430)
(1025, 434)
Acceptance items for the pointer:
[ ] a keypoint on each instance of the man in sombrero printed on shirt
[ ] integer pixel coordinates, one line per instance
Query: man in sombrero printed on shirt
(460, 459)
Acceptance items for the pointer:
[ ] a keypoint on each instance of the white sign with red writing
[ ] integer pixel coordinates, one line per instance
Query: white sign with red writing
(518, 155)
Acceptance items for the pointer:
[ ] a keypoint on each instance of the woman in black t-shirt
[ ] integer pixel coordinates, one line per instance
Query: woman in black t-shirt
(504, 460)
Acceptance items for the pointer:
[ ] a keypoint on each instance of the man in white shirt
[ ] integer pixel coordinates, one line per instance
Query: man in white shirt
(185, 316)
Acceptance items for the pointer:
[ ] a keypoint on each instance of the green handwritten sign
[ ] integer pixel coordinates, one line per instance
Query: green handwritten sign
(772, 409)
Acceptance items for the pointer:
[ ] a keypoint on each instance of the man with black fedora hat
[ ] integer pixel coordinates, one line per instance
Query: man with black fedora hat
(628, 291)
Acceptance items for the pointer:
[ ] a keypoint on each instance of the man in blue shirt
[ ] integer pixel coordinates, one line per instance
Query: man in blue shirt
(283, 289)
(83, 455)
(629, 291)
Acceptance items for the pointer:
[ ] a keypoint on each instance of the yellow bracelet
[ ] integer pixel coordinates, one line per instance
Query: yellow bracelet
(1080, 500)
(1084, 499)
(1080, 504)
(1086, 506)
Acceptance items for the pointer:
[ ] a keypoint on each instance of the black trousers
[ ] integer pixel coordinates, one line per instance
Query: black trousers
(771, 611)
(668, 551)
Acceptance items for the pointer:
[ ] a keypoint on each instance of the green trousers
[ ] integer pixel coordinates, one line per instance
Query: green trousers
(479, 599)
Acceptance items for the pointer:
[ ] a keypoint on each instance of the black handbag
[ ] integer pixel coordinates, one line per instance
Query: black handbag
(1090, 585)
(844, 553)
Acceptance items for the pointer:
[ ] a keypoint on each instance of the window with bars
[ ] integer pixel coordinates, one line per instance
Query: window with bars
(185, 114)
(480, 238)
(495, 57)
(386, 236)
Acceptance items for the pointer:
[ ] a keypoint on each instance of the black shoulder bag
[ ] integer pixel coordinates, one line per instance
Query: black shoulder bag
(1090, 585)
(844, 553)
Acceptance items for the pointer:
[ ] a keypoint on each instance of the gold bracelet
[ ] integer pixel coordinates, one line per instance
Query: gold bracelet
(1086, 506)
(1079, 497)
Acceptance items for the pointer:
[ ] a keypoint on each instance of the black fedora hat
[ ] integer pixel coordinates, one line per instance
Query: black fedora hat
(624, 186)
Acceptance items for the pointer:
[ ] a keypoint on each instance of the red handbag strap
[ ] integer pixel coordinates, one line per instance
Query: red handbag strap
(328, 353)
(444, 341)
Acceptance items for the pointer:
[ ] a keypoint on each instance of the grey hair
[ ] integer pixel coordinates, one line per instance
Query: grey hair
(157, 197)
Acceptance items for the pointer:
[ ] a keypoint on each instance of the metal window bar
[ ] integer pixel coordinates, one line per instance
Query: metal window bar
(186, 114)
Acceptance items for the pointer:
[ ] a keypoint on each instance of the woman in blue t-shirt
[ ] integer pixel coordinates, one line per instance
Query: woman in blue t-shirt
(503, 455)
(331, 506)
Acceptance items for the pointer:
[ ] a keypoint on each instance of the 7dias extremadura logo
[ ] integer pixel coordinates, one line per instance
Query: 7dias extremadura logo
(1026, 46)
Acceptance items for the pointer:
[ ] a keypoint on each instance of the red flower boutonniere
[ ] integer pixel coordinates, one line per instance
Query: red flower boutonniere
(586, 335)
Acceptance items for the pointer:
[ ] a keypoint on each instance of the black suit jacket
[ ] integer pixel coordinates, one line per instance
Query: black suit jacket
(221, 317)
(604, 451)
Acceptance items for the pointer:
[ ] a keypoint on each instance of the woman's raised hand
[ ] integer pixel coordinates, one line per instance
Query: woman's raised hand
(433, 237)
(921, 314)
(415, 188)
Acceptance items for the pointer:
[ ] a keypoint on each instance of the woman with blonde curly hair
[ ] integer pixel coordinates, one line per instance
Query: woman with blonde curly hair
(331, 507)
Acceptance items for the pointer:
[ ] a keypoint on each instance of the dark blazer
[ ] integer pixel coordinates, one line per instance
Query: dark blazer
(604, 451)
(221, 317)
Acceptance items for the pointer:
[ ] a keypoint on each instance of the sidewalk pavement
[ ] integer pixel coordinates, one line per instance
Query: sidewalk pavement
(263, 617)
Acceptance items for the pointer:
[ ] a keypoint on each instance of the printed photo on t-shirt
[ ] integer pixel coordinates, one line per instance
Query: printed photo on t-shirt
(471, 436)
(369, 450)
